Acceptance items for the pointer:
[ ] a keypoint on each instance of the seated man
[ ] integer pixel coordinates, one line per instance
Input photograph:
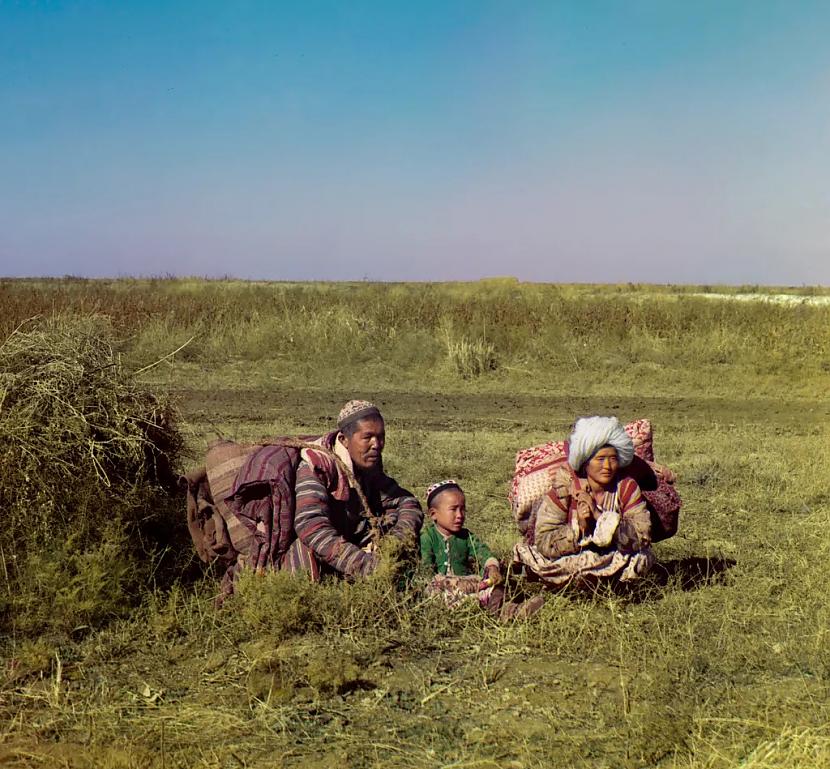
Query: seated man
(335, 531)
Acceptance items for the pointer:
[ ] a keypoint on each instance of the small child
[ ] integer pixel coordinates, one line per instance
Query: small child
(462, 565)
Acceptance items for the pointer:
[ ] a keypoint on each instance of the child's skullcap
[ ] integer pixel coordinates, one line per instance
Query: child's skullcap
(437, 488)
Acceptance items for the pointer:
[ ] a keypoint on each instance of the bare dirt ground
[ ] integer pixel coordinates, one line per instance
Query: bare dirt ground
(315, 410)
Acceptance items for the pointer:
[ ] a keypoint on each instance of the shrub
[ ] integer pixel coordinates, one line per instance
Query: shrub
(88, 460)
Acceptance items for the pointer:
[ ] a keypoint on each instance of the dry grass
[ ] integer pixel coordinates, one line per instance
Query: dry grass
(469, 358)
(85, 452)
(650, 338)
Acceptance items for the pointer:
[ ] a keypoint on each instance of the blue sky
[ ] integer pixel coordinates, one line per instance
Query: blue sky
(684, 142)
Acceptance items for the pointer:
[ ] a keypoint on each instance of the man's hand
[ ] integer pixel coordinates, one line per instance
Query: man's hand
(369, 564)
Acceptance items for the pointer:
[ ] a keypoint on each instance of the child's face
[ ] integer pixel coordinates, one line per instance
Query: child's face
(448, 511)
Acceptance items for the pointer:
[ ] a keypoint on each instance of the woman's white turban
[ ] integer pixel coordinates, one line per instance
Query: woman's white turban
(591, 434)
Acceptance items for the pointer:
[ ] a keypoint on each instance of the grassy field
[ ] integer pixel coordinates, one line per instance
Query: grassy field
(720, 660)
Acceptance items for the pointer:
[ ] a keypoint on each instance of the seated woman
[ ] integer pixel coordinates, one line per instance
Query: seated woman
(593, 524)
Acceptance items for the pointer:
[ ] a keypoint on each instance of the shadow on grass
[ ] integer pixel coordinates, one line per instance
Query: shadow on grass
(687, 574)
(692, 572)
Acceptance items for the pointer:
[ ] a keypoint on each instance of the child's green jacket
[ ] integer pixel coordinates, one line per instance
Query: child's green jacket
(459, 554)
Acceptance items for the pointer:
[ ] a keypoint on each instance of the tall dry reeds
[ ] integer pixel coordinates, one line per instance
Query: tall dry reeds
(540, 327)
(238, 318)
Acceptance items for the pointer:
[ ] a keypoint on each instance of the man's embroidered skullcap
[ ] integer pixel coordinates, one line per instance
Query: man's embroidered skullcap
(355, 410)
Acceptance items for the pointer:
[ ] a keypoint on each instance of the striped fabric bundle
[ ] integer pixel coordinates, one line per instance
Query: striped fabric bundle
(262, 500)
(217, 533)
(223, 461)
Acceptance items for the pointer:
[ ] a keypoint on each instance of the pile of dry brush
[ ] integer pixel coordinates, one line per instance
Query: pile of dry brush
(87, 462)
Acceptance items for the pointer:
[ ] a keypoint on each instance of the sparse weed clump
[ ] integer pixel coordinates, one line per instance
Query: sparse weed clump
(88, 460)
(279, 606)
(469, 358)
(330, 637)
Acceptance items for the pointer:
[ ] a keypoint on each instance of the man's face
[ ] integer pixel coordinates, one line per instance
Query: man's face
(365, 445)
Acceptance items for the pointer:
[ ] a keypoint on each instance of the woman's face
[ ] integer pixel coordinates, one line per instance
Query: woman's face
(602, 467)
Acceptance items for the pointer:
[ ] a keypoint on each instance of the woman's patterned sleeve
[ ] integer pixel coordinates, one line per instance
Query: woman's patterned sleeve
(633, 509)
(555, 534)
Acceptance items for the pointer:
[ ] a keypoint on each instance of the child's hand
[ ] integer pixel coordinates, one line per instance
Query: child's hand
(492, 577)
